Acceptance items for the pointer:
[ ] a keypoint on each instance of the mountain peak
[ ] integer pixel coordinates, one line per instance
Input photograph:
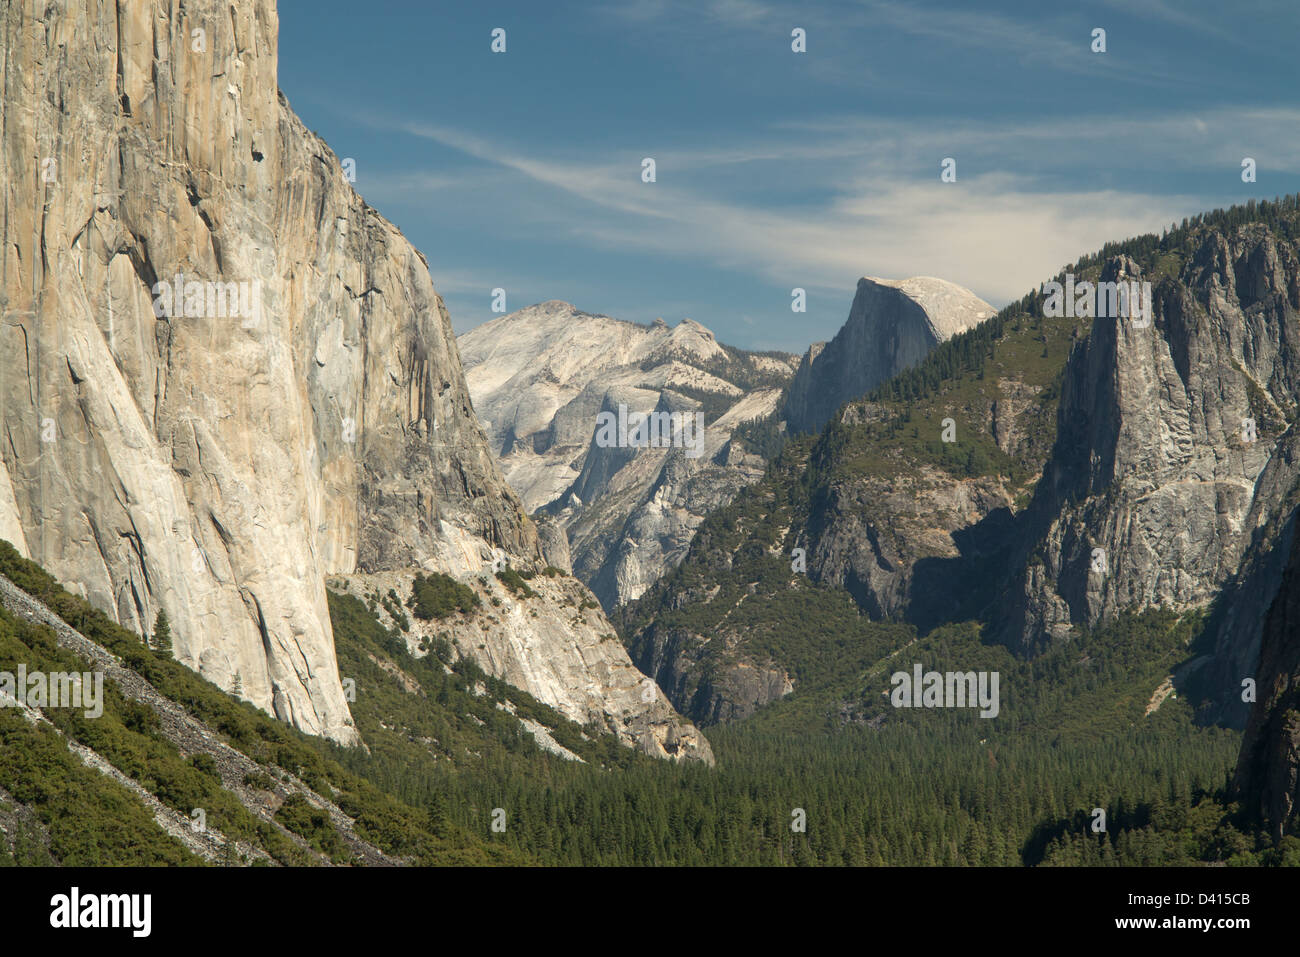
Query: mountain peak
(892, 325)
(950, 308)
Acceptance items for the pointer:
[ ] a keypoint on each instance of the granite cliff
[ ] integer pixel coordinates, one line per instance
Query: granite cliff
(1175, 467)
(167, 449)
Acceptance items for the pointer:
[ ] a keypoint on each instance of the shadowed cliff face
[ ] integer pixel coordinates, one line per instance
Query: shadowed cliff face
(1268, 773)
(162, 453)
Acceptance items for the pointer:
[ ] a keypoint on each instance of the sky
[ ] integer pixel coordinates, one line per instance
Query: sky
(523, 170)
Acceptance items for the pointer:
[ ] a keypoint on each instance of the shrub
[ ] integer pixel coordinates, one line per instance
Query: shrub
(205, 763)
(515, 583)
(256, 779)
(438, 596)
(313, 825)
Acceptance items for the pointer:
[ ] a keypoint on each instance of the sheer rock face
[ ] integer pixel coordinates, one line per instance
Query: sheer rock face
(213, 465)
(541, 376)
(1154, 496)
(892, 325)
(1268, 771)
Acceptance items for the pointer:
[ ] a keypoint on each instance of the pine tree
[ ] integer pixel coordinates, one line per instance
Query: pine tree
(162, 635)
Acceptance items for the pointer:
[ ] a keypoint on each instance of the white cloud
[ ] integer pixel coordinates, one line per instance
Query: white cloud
(984, 235)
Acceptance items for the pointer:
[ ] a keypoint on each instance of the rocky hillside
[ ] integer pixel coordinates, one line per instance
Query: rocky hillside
(156, 765)
(540, 377)
(892, 325)
(168, 449)
(1095, 468)
(171, 770)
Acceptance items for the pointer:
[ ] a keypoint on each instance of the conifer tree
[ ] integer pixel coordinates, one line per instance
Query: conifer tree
(162, 635)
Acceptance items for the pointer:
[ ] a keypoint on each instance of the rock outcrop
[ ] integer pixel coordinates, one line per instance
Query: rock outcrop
(876, 536)
(164, 449)
(892, 325)
(539, 379)
(551, 639)
(728, 691)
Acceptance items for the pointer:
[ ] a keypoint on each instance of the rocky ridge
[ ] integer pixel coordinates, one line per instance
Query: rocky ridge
(1176, 462)
(539, 378)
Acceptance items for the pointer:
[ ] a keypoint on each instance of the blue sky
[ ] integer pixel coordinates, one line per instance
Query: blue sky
(522, 169)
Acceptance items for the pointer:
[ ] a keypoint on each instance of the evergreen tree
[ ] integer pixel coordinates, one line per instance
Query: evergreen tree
(162, 635)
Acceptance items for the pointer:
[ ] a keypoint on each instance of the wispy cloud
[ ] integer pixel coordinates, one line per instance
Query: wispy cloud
(600, 182)
(987, 236)
(1052, 41)
(883, 210)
